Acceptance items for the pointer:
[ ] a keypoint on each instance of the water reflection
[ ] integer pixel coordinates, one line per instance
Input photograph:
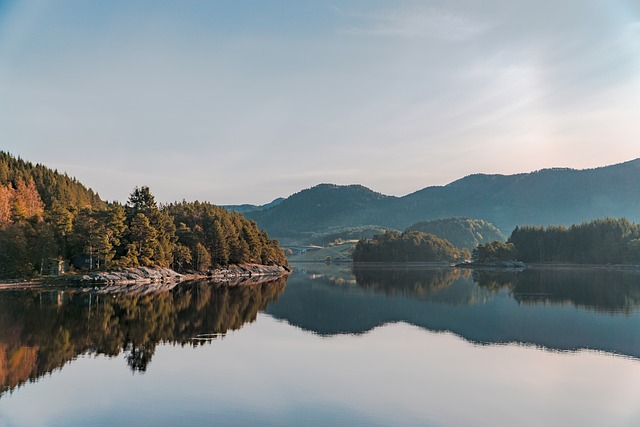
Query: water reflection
(599, 289)
(40, 331)
(558, 309)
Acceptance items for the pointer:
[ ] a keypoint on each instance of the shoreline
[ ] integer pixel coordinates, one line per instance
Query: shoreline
(146, 279)
(471, 266)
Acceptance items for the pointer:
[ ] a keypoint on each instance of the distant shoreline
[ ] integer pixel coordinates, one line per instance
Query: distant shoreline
(538, 265)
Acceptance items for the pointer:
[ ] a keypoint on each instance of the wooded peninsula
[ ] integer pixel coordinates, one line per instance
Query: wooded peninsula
(50, 223)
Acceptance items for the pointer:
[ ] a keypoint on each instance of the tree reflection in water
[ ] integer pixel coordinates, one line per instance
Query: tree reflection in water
(41, 331)
(559, 309)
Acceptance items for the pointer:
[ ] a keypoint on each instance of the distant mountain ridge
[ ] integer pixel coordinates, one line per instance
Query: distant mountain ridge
(545, 197)
(244, 208)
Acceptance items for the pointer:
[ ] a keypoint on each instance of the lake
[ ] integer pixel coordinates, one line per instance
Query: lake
(331, 346)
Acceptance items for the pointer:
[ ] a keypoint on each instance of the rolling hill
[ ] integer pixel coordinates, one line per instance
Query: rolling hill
(545, 197)
(322, 208)
(461, 232)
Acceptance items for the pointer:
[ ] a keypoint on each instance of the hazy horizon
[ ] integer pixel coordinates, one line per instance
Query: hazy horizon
(248, 101)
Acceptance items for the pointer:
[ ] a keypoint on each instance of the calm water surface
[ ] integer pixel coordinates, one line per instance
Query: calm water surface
(331, 346)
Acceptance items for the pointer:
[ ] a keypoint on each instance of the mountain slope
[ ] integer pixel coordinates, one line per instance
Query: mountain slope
(545, 197)
(246, 208)
(51, 185)
(322, 207)
(461, 232)
(550, 196)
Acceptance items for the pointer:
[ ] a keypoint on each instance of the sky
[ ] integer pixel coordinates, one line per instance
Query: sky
(245, 101)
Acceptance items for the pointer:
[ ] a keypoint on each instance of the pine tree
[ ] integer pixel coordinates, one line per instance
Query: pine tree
(141, 201)
(86, 235)
(61, 220)
(181, 256)
(144, 237)
(15, 252)
(202, 258)
(220, 247)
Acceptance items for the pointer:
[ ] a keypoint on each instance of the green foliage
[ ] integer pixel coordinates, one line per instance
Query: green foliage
(201, 258)
(461, 232)
(338, 235)
(51, 185)
(602, 241)
(494, 251)
(227, 237)
(552, 196)
(15, 260)
(410, 246)
(46, 217)
(143, 239)
(319, 208)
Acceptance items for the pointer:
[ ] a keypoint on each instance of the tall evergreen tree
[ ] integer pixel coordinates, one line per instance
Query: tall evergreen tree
(143, 239)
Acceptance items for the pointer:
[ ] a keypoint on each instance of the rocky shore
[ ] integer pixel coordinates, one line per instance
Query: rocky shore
(147, 275)
(144, 280)
(133, 275)
(234, 272)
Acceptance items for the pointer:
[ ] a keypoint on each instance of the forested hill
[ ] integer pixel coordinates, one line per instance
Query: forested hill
(546, 197)
(461, 232)
(322, 207)
(51, 185)
(246, 208)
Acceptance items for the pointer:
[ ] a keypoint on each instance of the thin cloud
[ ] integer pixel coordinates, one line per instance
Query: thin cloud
(418, 23)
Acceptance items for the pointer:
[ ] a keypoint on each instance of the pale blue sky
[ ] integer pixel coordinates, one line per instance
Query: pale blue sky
(244, 101)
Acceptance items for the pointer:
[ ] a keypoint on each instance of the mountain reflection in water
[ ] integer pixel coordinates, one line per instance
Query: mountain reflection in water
(41, 331)
(558, 309)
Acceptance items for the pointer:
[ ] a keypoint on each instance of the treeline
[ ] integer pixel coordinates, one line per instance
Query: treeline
(602, 241)
(494, 251)
(210, 235)
(52, 186)
(409, 246)
(35, 238)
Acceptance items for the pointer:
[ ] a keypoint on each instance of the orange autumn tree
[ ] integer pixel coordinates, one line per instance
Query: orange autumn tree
(27, 203)
(7, 194)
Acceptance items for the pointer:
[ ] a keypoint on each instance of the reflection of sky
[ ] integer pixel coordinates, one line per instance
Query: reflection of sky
(270, 373)
(420, 94)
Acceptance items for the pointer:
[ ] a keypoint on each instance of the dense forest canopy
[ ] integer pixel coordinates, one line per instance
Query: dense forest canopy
(602, 241)
(493, 251)
(410, 246)
(461, 232)
(52, 186)
(47, 219)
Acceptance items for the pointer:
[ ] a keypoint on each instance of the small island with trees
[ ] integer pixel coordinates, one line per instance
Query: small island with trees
(608, 241)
